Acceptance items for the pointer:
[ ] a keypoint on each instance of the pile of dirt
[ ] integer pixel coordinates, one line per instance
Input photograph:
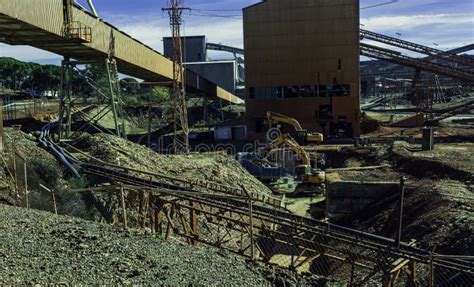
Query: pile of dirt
(215, 167)
(436, 214)
(445, 161)
(6, 186)
(383, 174)
(38, 247)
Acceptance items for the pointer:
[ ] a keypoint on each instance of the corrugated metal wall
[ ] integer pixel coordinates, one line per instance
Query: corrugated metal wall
(48, 15)
(194, 48)
(222, 74)
(126, 48)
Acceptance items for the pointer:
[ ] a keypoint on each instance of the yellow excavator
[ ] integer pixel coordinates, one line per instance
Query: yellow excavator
(311, 178)
(303, 135)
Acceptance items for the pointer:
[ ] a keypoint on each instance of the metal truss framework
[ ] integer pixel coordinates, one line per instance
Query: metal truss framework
(180, 111)
(242, 226)
(258, 229)
(110, 100)
(397, 58)
(434, 53)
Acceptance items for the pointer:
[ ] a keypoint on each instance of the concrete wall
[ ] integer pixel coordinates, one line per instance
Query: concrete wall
(302, 60)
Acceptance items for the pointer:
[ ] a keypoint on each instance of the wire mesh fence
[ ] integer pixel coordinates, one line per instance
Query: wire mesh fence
(15, 110)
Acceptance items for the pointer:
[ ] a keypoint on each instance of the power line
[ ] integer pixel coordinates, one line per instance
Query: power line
(207, 14)
(378, 5)
(222, 10)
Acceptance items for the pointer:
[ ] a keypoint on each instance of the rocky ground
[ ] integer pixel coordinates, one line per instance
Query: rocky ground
(38, 248)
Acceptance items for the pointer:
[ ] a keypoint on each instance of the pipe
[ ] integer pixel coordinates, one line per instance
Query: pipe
(91, 6)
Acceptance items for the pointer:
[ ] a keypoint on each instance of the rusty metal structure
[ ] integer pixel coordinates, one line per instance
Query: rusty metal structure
(260, 228)
(276, 237)
(396, 57)
(431, 52)
(180, 110)
(65, 28)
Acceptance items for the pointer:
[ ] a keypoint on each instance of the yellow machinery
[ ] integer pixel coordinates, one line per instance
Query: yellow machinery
(304, 172)
(303, 135)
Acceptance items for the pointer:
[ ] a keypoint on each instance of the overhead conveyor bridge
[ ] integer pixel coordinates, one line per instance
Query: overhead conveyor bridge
(397, 58)
(40, 24)
(434, 53)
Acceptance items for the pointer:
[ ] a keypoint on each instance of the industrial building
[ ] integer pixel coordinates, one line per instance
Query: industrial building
(194, 48)
(302, 60)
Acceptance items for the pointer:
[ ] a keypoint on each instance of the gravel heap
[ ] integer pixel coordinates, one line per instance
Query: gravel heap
(38, 247)
(218, 168)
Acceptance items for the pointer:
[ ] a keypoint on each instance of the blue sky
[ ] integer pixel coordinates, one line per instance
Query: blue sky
(448, 23)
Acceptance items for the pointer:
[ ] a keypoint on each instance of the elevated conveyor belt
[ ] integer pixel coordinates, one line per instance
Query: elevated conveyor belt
(434, 53)
(40, 24)
(397, 58)
(224, 48)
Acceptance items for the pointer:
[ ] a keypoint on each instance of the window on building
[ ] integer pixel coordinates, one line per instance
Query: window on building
(290, 92)
(325, 112)
(323, 91)
(306, 91)
(279, 93)
(338, 90)
(252, 93)
(260, 125)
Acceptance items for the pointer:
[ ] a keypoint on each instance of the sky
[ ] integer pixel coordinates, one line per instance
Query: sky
(444, 24)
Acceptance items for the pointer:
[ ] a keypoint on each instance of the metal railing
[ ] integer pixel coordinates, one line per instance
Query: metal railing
(78, 31)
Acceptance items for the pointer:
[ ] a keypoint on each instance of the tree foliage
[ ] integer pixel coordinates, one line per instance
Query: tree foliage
(91, 81)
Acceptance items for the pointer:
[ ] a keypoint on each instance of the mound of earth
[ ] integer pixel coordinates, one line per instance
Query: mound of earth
(38, 248)
(446, 160)
(437, 214)
(215, 167)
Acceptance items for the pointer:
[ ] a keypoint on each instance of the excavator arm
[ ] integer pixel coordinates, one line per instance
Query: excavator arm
(274, 117)
(303, 134)
(291, 143)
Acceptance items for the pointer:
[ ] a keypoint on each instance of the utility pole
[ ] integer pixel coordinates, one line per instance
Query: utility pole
(400, 214)
(180, 111)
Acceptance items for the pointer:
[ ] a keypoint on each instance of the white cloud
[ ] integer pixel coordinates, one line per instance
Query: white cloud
(30, 54)
(447, 30)
(384, 23)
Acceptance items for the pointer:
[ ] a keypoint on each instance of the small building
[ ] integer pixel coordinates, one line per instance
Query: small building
(225, 74)
(302, 60)
(194, 48)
